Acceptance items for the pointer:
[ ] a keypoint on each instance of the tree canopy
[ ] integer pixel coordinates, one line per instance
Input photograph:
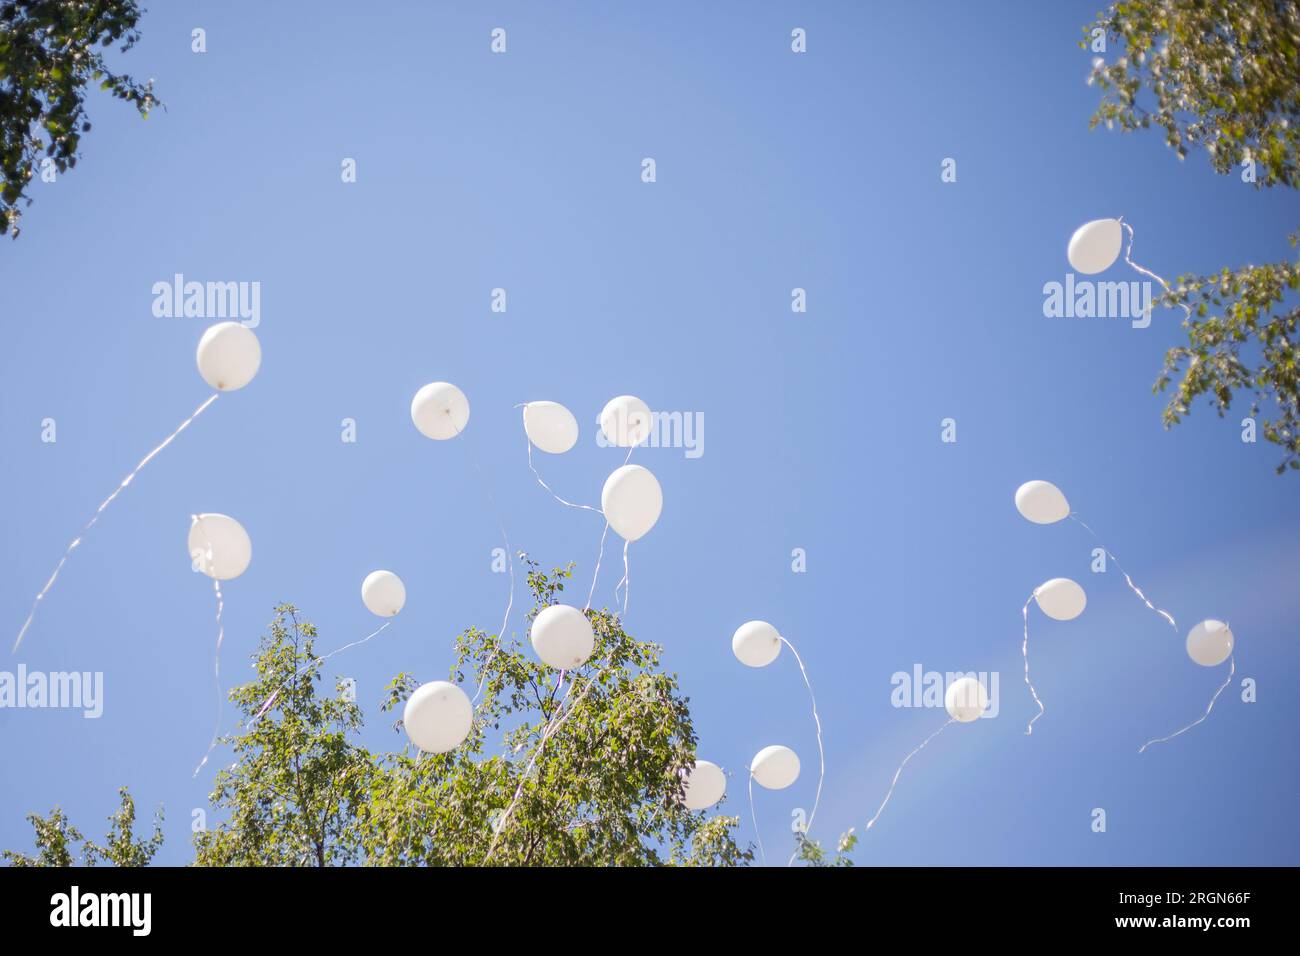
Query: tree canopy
(586, 770)
(50, 50)
(1222, 77)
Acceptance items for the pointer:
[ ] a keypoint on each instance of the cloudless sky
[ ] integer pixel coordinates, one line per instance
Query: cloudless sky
(822, 430)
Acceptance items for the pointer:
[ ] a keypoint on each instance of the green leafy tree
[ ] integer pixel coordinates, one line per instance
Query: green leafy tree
(49, 51)
(56, 836)
(810, 852)
(297, 782)
(1223, 77)
(590, 770)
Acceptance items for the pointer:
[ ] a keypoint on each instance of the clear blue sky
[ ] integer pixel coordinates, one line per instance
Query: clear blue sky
(775, 170)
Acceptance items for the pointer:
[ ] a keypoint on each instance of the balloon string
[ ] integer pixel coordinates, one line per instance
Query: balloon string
(821, 753)
(899, 771)
(216, 676)
(600, 556)
(1222, 687)
(548, 487)
(1133, 587)
(510, 563)
(552, 727)
(753, 815)
(100, 510)
(1146, 272)
(266, 705)
(625, 583)
(1024, 649)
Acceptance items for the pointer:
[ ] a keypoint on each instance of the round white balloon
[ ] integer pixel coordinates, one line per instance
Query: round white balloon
(625, 421)
(1041, 502)
(228, 356)
(1061, 599)
(438, 717)
(775, 767)
(383, 593)
(550, 426)
(1095, 246)
(632, 500)
(1210, 643)
(705, 784)
(440, 410)
(562, 637)
(219, 546)
(756, 643)
(966, 699)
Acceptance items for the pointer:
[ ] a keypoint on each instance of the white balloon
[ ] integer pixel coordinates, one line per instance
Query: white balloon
(438, 717)
(1210, 643)
(440, 410)
(756, 643)
(219, 546)
(562, 637)
(966, 699)
(1061, 599)
(625, 420)
(1095, 246)
(705, 785)
(1041, 502)
(550, 426)
(228, 356)
(383, 593)
(775, 767)
(632, 500)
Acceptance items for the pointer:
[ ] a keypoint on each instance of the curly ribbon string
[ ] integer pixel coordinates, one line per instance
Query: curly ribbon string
(1222, 687)
(753, 815)
(510, 561)
(1169, 618)
(625, 583)
(1133, 587)
(100, 510)
(529, 442)
(1024, 649)
(899, 771)
(216, 676)
(552, 727)
(600, 556)
(821, 753)
(1147, 272)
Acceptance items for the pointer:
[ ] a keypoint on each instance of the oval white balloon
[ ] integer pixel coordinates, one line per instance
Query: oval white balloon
(440, 411)
(219, 546)
(1210, 643)
(775, 767)
(1061, 599)
(562, 637)
(705, 784)
(756, 643)
(1095, 246)
(625, 420)
(1041, 502)
(550, 426)
(228, 356)
(632, 501)
(438, 717)
(383, 593)
(966, 699)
